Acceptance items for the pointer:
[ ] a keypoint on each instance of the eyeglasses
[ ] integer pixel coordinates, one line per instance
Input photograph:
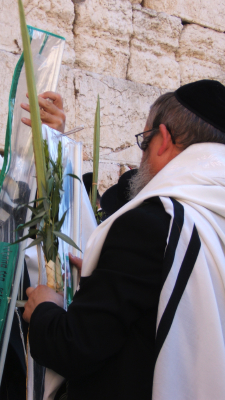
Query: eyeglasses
(143, 142)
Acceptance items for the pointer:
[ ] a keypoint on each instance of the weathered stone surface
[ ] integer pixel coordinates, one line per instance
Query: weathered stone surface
(7, 64)
(131, 156)
(102, 34)
(56, 17)
(201, 54)
(9, 27)
(153, 47)
(124, 109)
(66, 89)
(203, 12)
(109, 174)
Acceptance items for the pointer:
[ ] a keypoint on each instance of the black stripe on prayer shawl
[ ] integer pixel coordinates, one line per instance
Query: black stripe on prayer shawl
(177, 225)
(181, 282)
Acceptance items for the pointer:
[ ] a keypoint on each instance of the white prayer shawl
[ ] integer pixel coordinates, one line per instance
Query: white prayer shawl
(190, 334)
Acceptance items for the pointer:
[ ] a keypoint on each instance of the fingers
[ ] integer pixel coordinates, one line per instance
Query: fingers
(55, 97)
(51, 111)
(76, 261)
(26, 107)
(28, 309)
(49, 106)
(52, 116)
(26, 315)
(39, 295)
(29, 291)
(26, 121)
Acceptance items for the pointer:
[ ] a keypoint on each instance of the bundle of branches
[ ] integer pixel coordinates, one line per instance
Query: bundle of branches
(45, 224)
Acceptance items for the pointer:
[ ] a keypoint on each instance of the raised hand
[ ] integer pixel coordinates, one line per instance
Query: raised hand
(51, 111)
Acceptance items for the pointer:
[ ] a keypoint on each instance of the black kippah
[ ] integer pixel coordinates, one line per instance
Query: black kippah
(206, 99)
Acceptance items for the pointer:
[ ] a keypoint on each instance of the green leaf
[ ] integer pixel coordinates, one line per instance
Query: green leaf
(52, 162)
(46, 205)
(40, 214)
(74, 176)
(44, 191)
(55, 200)
(54, 253)
(34, 231)
(34, 106)
(49, 240)
(35, 241)
(26, 236)
(50, 185)
(59, 160)
(46, 151)
(34, 210)
(30, 202)
(33, 222)
(59, 224)
(40, 207)
(66, 239)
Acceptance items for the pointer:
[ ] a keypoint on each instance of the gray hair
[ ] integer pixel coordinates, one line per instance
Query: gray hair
(186, 127)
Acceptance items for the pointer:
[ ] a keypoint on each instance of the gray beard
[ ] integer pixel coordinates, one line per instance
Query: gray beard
(140, 179)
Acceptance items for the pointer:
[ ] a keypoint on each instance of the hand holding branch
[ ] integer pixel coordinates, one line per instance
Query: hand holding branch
(39, 295)
(51, 111)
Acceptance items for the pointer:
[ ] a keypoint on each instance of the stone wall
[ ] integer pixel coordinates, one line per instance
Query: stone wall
(128, 52)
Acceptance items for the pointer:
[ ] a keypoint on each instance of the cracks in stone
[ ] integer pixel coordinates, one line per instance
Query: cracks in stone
(18, 47)
(128, 61)
(123, 147)
(74, 20)
(184, 22)
(76, 4)
(110, 150)
(131, 37)
(177, 51)
(76, 91)
(28, 12)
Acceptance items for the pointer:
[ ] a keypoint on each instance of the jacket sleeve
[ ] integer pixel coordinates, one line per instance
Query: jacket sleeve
(124, 285)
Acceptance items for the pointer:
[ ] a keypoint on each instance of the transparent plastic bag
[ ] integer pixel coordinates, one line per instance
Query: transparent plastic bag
(17, 178)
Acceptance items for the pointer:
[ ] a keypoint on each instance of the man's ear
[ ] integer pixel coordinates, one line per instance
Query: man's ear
(166, 139)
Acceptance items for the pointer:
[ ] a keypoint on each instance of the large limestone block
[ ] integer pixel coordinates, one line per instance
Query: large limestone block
(7, 64)
(124, 109)
(131, 156)
(203, 12)
(9, 27)
(56, 17)
(153, 47)
(51, 15)
(201, 54)
(67, 90)
(102, 33)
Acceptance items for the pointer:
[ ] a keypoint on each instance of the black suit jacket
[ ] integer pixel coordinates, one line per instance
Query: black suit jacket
(104, 343)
